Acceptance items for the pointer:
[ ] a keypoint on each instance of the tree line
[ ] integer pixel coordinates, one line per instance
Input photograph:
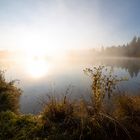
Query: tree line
(131, 49)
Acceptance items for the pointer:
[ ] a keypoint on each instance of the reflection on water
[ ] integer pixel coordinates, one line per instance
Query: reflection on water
(132, 66)
(37, 77)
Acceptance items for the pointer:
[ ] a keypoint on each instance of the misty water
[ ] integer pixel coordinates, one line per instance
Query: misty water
(61, 76)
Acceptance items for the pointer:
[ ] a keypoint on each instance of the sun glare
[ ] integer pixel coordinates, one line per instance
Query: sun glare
(37, 67)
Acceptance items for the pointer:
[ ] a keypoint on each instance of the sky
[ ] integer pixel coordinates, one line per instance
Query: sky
(53, 25)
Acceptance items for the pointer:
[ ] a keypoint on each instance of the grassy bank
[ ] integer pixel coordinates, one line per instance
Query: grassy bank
(72, 120)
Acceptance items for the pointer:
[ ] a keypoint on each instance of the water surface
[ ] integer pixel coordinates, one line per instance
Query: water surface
(38, 78)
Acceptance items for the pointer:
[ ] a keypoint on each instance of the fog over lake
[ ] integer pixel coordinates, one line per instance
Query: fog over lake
(59, 76)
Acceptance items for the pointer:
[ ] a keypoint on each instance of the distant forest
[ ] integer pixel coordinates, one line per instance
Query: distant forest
(131, 49)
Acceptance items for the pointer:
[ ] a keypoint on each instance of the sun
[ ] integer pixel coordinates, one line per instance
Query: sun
(36, 67)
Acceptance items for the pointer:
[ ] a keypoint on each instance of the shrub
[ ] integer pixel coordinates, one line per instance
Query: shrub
(127, 112)
(18, 127)
(9, 95)
(104, 82)
(57, 111)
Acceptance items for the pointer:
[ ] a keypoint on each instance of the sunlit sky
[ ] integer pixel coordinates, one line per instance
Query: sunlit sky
(52, 25)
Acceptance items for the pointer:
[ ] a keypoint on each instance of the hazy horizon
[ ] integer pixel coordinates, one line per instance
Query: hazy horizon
(50, 25)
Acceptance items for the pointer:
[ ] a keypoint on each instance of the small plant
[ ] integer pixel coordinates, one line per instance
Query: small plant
(103, 83)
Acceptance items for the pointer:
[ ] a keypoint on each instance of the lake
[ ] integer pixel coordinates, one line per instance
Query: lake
(38, 78)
